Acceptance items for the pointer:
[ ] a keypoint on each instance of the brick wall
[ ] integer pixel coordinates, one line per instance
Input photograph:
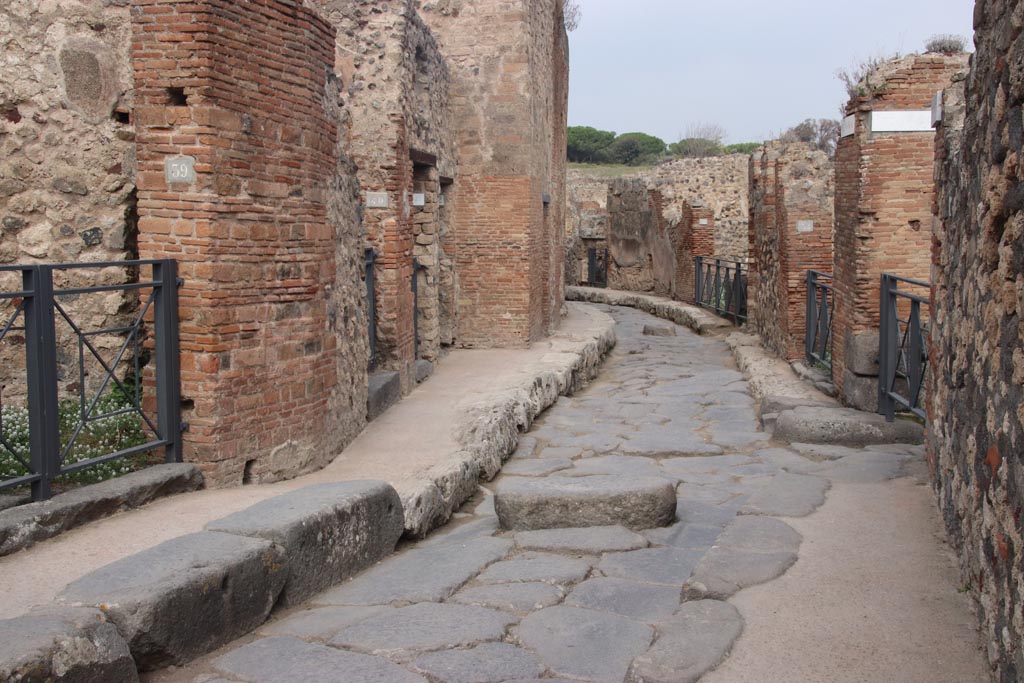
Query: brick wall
(791, 217)
(695, 237)
(509, 98)
(273, 354)
(975, 397)
(884, 190)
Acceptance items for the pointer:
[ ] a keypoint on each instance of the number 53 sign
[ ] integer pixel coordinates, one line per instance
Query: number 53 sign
(180, 169)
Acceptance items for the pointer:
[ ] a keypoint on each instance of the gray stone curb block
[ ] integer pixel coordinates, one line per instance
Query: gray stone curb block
(73, 645)
(525, 504)
(678, 312)
(329, 532)
(844, 427)
(187, 596)
(385, 390)
(26, 525)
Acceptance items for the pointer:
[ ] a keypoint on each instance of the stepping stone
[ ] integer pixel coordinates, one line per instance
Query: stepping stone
(641, 601)
(272, 660)
(322, 623)
(488, 663)
(589, 541)
(557, 502)
(666, 566)
(787, 495)
(511, 597)
(845, 427)
(659, 331)
(626, 465)
(536, 467)
(584, 644)
(424, 627)
(428, 573)
(544, 567)
(822, 451)
(694, 641)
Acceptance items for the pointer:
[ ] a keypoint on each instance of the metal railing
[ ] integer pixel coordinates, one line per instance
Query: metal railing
(902, 347)
(369, 261)
(417, 268)
(820, 305)
(721, 285)
(597, 267)
(56, 427)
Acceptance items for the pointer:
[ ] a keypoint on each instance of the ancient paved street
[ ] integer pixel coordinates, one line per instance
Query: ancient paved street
(477, 605)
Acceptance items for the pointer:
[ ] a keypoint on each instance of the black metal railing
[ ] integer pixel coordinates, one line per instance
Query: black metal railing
(62, 432)
(721, 285)
(597, 267)
(902, 347)
(369, 261)
(820, 305)
(417, 268)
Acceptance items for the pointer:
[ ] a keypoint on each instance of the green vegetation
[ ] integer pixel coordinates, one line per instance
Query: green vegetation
(587, 145)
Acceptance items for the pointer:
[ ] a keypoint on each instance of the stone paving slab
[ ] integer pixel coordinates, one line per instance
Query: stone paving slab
(667, 566)
(511, 597)
(589, 541)
(487, 663)
(644, 602)
(322, 623)
(536, 467)
(535, 566)
(787, 495)
(844, 426)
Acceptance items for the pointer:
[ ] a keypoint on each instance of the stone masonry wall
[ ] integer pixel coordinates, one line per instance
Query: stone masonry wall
(641, 255)
(273, 321)
(695, 236)
(509, 64)
(791, 215)
(884, 190)
(67, 163)
(976, 383)
(586, 223)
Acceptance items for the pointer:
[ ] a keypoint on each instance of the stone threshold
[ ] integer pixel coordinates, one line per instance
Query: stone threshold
(693, 317)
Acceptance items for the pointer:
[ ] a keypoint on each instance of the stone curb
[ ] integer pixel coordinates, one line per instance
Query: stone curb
(25, 525)
(489, 431)
(681, 314)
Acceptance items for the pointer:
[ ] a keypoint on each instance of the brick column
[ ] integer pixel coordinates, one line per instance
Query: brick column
(696, 238)
(241, 88)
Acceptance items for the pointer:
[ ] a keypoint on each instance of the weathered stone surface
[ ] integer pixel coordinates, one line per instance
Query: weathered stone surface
(330, 532)
(687, 535)
(322, 623)
(277, 659)
(557, 502)
(545, 567)
(429, 573)
(422, 370)
(222, 586)
(860, 392)
(659, 331)
(866, 467)
(487, 663)
(724, 570)
(580, 643)
(774, 403)
(641, 601)
(845, 427)
(589, 541)
(25, 525)
(536, 467)
(653, 443)
(385, 390)
(760, 535)
(511, 597)
(8, 501)
(862, 354)
(694, 641)
(73, 645)
(668, 566)
(423, 627)
(619, 465)
(787, 495)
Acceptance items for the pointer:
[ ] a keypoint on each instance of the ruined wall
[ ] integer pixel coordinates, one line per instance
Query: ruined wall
(695, 236)
(509, 63)
(397, 90)
(641, 255)
(792, 194)
(976, 419)
(884, 191)
(586, 224)
(67, 162)
(273, 318)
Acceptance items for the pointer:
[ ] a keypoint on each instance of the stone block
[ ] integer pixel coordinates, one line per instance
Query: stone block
(422, 369)
(385, 391)
(844, 427)
(659, 331)
(862, 353)
(73, 645)
(559, 502)
(860, 392)
(187, 596)
(329, 532)
(25, 525)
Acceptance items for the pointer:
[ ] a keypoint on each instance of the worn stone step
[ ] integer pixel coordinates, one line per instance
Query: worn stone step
(526, 504)
(844, 427)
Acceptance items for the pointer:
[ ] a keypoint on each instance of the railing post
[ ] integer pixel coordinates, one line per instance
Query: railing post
(416, 307)
(810, 314)
(168, 375)
(41, 373)
(888, 348)
(737, 292)
(369, 260)
(698, 280)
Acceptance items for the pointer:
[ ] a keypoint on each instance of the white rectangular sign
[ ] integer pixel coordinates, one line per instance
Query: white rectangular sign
(849, 126)
(805, 226)
(180, 169)
(900, 121)
(376, 200)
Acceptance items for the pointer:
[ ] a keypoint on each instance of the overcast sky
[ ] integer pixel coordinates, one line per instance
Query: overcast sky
(755, 67)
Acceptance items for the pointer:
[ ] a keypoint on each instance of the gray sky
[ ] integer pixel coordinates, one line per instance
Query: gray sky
(755, 67)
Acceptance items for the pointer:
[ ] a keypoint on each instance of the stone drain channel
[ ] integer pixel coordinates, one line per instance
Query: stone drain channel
(668, 424)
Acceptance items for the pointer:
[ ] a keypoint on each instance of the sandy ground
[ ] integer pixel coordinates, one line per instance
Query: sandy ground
(873, 597)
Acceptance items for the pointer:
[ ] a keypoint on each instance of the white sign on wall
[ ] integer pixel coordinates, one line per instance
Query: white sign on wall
(377, 200)
(180, 169)
(703, 221)
(805, 226)
(900, 121)
(849, 126)
(937, 108)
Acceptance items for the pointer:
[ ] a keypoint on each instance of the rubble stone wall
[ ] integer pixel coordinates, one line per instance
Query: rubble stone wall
(67, 164)
(884, 192)
(641, 254)
(273, 319)
(976, 384)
